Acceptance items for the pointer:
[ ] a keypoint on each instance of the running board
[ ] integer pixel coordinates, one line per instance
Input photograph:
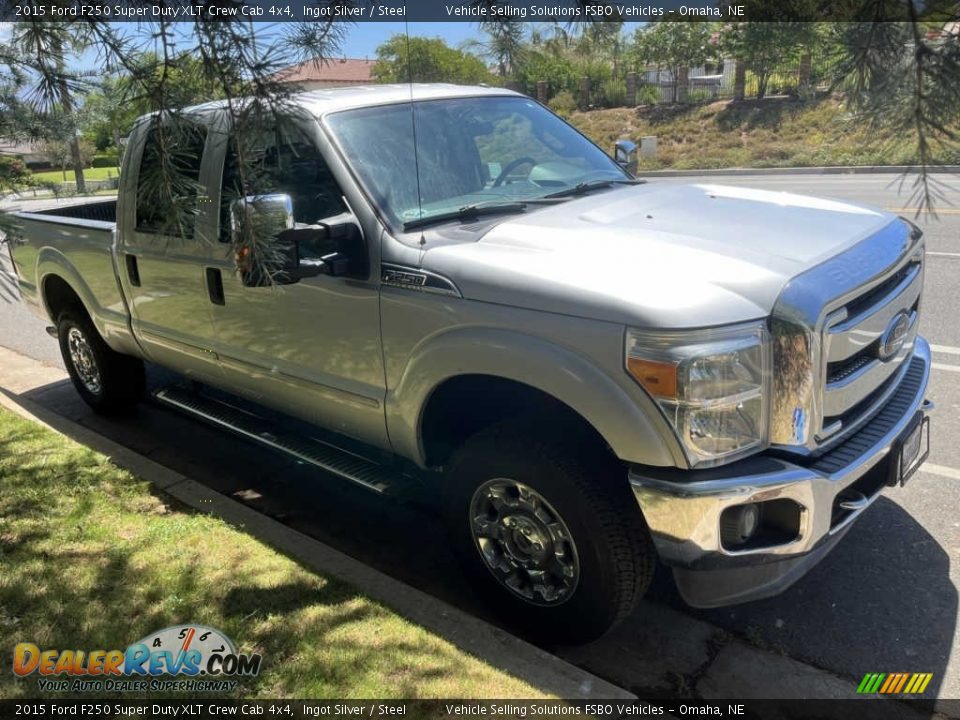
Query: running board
(309, 450)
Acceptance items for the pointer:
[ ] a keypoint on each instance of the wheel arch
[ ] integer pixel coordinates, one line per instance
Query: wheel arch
(540, 371)
(59, 281)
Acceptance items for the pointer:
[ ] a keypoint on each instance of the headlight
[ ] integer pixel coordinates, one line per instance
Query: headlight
(712, 385)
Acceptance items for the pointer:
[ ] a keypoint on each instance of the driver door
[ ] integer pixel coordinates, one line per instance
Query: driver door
(310, 348)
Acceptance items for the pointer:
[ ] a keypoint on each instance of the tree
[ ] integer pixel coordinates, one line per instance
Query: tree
(62, 154)
(237, 60)
(111, 108)
(676, 46)
(421, 59)
(901, 79)
(897, 75)
(764, 46)
(47, 43)
(504, 45)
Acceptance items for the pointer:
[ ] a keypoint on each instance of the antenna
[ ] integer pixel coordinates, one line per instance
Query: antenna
(413, 125)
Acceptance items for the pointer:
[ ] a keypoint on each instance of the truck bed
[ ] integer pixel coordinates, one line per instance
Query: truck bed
(75, 243)
(101, 211)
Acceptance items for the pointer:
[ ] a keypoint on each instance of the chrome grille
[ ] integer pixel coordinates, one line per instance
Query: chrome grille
(857, 376)
(835, 332)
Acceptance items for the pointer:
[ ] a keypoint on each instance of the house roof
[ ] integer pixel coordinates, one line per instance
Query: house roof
(340, 71)
(10, 146)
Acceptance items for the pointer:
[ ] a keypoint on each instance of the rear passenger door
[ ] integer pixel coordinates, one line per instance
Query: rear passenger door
(161, 260)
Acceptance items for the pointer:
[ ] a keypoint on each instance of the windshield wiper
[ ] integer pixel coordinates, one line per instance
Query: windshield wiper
(585, 187)
(467, 212)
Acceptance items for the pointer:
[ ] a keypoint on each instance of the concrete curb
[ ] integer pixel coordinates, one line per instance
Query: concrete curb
(838, 170)
(477, 637)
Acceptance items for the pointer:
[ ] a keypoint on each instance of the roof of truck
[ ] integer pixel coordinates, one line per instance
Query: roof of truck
(320, 102)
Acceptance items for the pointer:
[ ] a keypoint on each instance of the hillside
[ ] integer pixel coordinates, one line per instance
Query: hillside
(776, 132)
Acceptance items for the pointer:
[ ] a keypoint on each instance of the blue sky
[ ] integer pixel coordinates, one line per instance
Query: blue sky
(365, 37)
(361, 42)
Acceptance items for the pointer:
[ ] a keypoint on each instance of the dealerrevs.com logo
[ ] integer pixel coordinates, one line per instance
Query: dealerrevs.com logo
(175, 658)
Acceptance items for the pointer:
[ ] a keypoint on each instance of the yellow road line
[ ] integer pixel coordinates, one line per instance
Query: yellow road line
(935, 211)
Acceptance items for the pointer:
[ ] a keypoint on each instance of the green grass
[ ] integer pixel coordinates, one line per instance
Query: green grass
(88, 174)
(776, 132)
(92, 558)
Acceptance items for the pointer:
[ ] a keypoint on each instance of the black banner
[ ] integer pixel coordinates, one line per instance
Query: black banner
(866, 709)
(469, 10)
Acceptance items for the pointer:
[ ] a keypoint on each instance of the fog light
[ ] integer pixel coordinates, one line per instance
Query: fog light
(738, 524)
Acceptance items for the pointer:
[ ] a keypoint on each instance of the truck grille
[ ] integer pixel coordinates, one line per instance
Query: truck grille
(866, 342)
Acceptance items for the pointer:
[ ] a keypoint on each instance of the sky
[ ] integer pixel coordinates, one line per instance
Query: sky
(365, 37)
(362, 40)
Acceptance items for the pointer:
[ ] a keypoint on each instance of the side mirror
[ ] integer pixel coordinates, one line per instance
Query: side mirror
(625, 155)
(260, 217)
(294, 253)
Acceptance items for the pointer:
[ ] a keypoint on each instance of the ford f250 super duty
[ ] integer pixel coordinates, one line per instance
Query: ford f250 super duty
(596, 373)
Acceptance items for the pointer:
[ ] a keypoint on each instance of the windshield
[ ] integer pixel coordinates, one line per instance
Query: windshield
(479, 150)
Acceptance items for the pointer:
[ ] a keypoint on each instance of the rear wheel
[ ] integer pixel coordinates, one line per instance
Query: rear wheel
(108, 381)
(550, 534)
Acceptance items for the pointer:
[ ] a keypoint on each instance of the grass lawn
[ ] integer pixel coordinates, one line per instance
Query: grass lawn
(775, 132)
(92, 558)
(88, 174)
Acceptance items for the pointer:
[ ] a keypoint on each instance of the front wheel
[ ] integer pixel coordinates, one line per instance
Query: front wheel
(551, 536)
(108, 381)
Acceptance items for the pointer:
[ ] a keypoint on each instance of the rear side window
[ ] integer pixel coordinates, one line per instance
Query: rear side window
(168, 184)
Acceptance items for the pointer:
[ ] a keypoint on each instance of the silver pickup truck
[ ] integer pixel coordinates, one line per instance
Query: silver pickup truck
(596, 373)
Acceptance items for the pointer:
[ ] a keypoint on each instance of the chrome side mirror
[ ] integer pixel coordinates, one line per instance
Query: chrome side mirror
(260, 217)
(264, 219)
(625, 155)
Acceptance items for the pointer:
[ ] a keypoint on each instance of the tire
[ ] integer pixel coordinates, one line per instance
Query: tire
(599, 573)
(108, 381)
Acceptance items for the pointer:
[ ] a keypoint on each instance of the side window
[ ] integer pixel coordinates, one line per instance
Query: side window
(167, 195)
(279, 164)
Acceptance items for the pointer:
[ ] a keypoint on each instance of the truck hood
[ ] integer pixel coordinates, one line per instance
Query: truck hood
(654, 255)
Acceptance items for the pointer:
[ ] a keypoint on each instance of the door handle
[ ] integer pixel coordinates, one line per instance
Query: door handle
(215, 286)
(133, 272)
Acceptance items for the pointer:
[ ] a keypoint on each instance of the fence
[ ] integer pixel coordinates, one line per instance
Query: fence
(722, 81)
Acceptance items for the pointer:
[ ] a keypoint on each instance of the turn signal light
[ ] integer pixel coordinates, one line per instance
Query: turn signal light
(658, 378)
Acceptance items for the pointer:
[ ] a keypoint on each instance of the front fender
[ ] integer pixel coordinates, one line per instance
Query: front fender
(625, 417)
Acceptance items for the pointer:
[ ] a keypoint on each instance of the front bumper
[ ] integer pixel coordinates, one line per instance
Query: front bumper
(684, 514)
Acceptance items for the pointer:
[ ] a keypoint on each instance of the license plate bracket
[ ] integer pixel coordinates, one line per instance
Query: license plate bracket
(910, 450)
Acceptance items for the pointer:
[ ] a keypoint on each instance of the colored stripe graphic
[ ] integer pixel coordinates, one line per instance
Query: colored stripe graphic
(894, 683)
(891, 681)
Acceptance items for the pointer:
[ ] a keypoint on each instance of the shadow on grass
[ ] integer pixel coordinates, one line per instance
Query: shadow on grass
(768, 113)
(93, 559)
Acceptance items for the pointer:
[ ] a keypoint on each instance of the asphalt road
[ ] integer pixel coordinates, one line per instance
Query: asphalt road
(886, 600)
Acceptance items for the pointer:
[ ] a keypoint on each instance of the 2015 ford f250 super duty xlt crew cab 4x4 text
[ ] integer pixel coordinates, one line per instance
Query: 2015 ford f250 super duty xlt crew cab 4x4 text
(595, 373)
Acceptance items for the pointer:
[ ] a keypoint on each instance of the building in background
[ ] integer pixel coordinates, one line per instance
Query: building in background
(26, 150)
(330, 73)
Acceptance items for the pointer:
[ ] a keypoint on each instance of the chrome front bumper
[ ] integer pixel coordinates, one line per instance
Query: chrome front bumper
(684, 513)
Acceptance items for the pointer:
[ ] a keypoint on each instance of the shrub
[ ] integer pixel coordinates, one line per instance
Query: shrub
(699, 96)
(13, 173)
(563, 103)
(648, 95)
(612, 93)
(104, 161)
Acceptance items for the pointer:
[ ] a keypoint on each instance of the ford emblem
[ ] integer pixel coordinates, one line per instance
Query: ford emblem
(894, 336)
